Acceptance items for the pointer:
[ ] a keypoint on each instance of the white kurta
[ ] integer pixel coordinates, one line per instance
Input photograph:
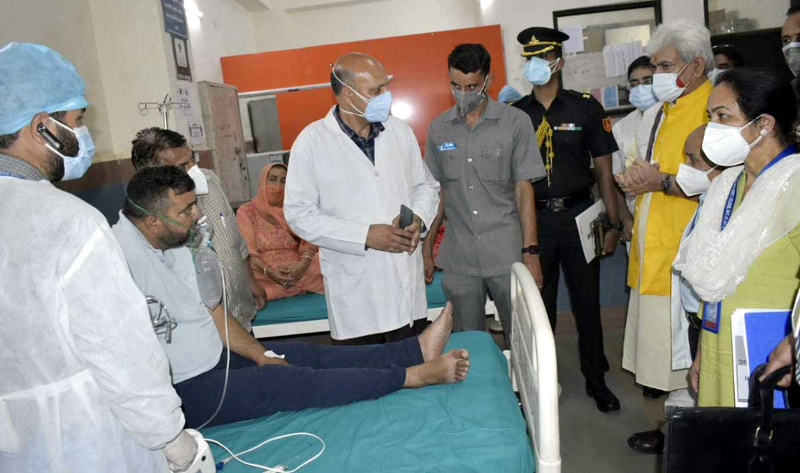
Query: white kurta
(85, 386)
(333, 194)
(625, 135)
(644, 350)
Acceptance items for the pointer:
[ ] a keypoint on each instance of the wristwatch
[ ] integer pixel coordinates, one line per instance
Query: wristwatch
(533, 249)
(616, 226)
(666, 184)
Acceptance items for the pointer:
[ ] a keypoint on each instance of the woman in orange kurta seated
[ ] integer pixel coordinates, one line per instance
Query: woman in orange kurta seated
(280, 261)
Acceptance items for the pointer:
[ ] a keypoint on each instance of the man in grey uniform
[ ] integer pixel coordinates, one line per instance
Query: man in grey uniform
(483, 154)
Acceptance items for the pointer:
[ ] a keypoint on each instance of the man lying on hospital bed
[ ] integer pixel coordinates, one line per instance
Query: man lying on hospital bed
(153, 227)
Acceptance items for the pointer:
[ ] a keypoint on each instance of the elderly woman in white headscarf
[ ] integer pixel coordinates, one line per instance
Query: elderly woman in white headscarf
(745, 249)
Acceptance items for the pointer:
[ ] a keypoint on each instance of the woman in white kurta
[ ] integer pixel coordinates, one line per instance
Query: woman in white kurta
(334, 193)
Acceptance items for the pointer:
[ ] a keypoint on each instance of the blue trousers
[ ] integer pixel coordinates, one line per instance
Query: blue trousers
(317, 376)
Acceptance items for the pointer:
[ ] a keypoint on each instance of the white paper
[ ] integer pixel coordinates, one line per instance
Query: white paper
(196, 136)
(575, 42)
(617, 57)
(584, 223)
(741, 365)
(585, 71)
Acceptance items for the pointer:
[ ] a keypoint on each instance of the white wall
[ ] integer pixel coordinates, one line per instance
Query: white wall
(121, 50)
(133, 66)
(226, 29)
(65, 26)
(277, 29)
(516, 15)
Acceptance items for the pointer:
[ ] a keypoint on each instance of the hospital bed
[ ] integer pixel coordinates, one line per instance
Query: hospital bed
(308, 313)
(473, 426)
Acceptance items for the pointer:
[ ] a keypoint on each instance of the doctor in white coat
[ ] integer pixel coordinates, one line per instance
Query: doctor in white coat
(349, 174)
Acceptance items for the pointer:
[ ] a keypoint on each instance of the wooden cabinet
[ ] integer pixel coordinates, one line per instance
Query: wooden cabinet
(223, 125)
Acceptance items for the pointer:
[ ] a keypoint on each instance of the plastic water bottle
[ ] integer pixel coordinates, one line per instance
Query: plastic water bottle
(209, 274)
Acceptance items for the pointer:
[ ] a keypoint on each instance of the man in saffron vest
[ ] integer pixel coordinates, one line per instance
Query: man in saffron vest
(681, 55)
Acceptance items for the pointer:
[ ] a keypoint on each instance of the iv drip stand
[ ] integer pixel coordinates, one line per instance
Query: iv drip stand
(162, 107)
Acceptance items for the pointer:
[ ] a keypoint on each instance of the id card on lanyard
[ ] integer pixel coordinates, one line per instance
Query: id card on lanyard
(713, 310)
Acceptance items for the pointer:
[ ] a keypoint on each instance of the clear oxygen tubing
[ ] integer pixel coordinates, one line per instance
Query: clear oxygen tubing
(235, 456)
(227, 345)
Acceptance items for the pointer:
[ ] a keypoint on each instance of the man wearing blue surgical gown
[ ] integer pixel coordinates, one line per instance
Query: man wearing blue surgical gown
(85, 384)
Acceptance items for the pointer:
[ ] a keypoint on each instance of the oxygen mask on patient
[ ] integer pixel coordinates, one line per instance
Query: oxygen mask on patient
(200, 233)
(209, 273)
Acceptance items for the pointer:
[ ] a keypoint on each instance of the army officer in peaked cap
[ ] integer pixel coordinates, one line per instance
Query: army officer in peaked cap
(574, 136)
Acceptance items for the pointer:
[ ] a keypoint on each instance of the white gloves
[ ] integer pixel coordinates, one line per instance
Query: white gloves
(181, 451)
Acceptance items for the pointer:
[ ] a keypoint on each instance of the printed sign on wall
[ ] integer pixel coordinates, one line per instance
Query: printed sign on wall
(175, 18)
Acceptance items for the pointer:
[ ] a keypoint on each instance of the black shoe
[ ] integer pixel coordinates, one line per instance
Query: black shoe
(650, 441)
(606, 400)
(652, 393)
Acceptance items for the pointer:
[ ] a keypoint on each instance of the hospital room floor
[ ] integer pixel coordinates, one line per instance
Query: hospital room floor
(593, 442)
(590, 440)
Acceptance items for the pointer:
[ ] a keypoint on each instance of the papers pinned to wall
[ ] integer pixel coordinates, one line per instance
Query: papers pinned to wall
(582, 71)
(617, 57)
(575, 42)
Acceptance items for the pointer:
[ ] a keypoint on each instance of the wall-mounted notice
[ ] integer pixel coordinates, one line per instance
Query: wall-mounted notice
(181, 54)
(617, 57)
(175, 18)
(575, 42)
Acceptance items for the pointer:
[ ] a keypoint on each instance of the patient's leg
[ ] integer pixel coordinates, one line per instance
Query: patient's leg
(405, 353)
(259, 391)
(436, 335)
(451, 367)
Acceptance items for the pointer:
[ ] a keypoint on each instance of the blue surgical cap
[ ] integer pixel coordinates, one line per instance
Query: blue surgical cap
(35, 79)
(508, 94)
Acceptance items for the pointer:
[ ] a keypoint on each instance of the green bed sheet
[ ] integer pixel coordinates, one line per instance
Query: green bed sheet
(473, 426)
(306, 307)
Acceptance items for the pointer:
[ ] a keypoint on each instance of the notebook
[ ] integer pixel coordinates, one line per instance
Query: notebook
(755, 333)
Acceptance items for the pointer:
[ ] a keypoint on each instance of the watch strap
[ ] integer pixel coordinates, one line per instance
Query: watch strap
(666, 184)
(532, 249)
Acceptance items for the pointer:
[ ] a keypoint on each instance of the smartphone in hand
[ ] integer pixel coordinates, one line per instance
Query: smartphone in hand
(406, 217)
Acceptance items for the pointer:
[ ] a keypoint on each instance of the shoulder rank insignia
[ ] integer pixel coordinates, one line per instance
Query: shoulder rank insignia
(586, 96)
(607, 124)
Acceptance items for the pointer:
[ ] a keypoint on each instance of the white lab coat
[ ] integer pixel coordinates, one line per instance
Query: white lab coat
(85, 384)
(333, 194)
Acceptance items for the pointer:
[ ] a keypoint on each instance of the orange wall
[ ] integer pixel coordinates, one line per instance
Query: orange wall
(417, 62)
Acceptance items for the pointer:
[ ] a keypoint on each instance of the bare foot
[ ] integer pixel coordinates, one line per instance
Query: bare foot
(435, 336)
(451, 367)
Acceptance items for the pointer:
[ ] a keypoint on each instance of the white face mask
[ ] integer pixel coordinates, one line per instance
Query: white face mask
(791, 52)
(693, 181)
(665, 85)
(724, 145)
(76, 166)
(642, 97)
(538, 71)
(200, 181)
